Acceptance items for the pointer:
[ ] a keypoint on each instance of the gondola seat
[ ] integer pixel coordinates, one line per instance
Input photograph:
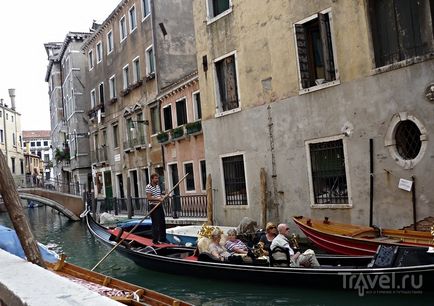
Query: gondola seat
(284, 258)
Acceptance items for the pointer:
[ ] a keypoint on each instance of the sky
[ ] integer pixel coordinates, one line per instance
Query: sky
(24, 28)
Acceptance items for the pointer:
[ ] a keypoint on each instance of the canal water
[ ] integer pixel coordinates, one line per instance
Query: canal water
(81, 248)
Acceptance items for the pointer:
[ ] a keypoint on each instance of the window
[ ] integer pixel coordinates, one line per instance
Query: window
(145, 172)
(12, 118)
(146, 8)
(181, 112)
(22, 166)
(20, 139)
(110, 44)
(98, 52)
(316, 63)
(136, 70)
(227, 90)
(32, 143)
(217, 7)
(234, 180)
(155, 120)
(401, 29)
(189, 181)
(101, 93)
(150, 66)
(115, 136)
(14, 140)
(13, 164)
(167, 115)
(122, 28)
(90, 59)
(2, 140)
(1, 114)
(328, 179)
(133, 19)
(197, 106)
(112, 87)
(38, 143)
(406, 139)
(125, 77)
(92, 98)
(203, 174)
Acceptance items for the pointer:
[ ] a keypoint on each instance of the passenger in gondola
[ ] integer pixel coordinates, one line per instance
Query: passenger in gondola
(215, 249)
(234, 245)
(306, 259)
(268, 236)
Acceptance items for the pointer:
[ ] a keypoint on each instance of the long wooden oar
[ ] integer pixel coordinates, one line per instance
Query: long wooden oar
(143, 219)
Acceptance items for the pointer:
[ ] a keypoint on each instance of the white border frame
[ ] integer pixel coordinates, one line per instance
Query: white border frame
(193, 101)
(121, 39)
(112, 88)
(390, 141)
(347, 172)
(216, 91)
(210, 19)
(90, 59)
(163, 121)
(143, 11)
(108, 42)
(123, 77)
(129, 18)
(186, 110)
(99, 60)
(148, 57)
(136, 77)
(184, 173)
(302, 90)
(221, 156)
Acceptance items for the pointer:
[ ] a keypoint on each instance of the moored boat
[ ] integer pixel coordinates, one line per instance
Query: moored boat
(113, 288)
(350, 239)
(396, 264)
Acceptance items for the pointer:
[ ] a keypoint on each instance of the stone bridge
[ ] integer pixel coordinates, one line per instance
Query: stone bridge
(70, 205)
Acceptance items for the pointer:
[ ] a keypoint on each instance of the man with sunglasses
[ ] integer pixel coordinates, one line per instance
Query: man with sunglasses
(307, 259)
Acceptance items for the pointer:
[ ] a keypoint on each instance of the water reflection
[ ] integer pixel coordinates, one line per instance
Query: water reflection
(72, 238)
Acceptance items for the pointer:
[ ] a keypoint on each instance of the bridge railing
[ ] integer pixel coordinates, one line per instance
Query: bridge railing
(55, 185)
(193, 206)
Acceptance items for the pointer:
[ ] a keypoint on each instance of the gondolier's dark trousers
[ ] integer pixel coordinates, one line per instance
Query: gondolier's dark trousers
(158, 223)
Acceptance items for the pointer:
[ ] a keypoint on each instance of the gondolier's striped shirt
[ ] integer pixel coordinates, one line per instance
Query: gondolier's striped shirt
(155, 191)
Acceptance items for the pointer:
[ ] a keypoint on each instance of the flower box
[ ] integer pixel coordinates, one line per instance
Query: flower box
(178, 132)
(193, 127)
(163, 137)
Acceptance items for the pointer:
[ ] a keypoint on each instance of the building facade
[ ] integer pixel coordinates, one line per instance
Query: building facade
(328, 98)
(11, 138)
(38, 142)
(182, 138)
(138, 51)
(65, 75)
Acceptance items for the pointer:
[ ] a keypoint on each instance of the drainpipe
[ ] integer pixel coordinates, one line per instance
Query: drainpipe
(371, 180)
(413, 198)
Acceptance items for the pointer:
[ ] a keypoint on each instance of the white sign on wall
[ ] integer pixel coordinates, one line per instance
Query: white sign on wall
(405, 184)
(117, 157)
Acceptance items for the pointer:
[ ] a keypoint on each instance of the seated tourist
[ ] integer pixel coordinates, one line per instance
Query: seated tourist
(307, 259)
(215, 249)
(234, 245)
(270, 234)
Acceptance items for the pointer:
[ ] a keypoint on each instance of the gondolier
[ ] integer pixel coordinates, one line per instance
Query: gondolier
(153, 194)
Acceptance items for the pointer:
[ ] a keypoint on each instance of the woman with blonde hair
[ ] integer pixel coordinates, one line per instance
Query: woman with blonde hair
(215, 249)
(270, 234)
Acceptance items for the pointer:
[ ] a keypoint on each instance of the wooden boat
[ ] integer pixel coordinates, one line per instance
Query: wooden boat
(334, 270)
(349, 239)
(113, 288)
(116, 289)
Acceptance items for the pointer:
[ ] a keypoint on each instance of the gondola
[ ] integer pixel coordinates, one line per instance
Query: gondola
(350, 239)
(397, 266)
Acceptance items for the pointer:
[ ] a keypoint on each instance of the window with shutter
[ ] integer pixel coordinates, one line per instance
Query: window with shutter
(226, 73)
(314, 46)
(401, 29)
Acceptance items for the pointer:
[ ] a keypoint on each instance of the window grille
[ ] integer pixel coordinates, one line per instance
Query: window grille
(328, 172)
(407, 137)
(234, 180)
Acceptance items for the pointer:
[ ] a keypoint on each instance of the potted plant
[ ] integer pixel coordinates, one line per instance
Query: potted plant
(178, 132)
(193, 127)
(162, 137)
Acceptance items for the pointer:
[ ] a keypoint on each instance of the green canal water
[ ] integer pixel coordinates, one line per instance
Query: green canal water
(73, 239)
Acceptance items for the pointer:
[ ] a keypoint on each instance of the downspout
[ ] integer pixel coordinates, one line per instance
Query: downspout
(371, 180)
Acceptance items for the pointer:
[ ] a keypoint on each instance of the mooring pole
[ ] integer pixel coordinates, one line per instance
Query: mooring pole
(14, 207)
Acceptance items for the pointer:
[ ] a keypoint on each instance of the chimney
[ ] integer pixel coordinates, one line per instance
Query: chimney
(12, 96)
